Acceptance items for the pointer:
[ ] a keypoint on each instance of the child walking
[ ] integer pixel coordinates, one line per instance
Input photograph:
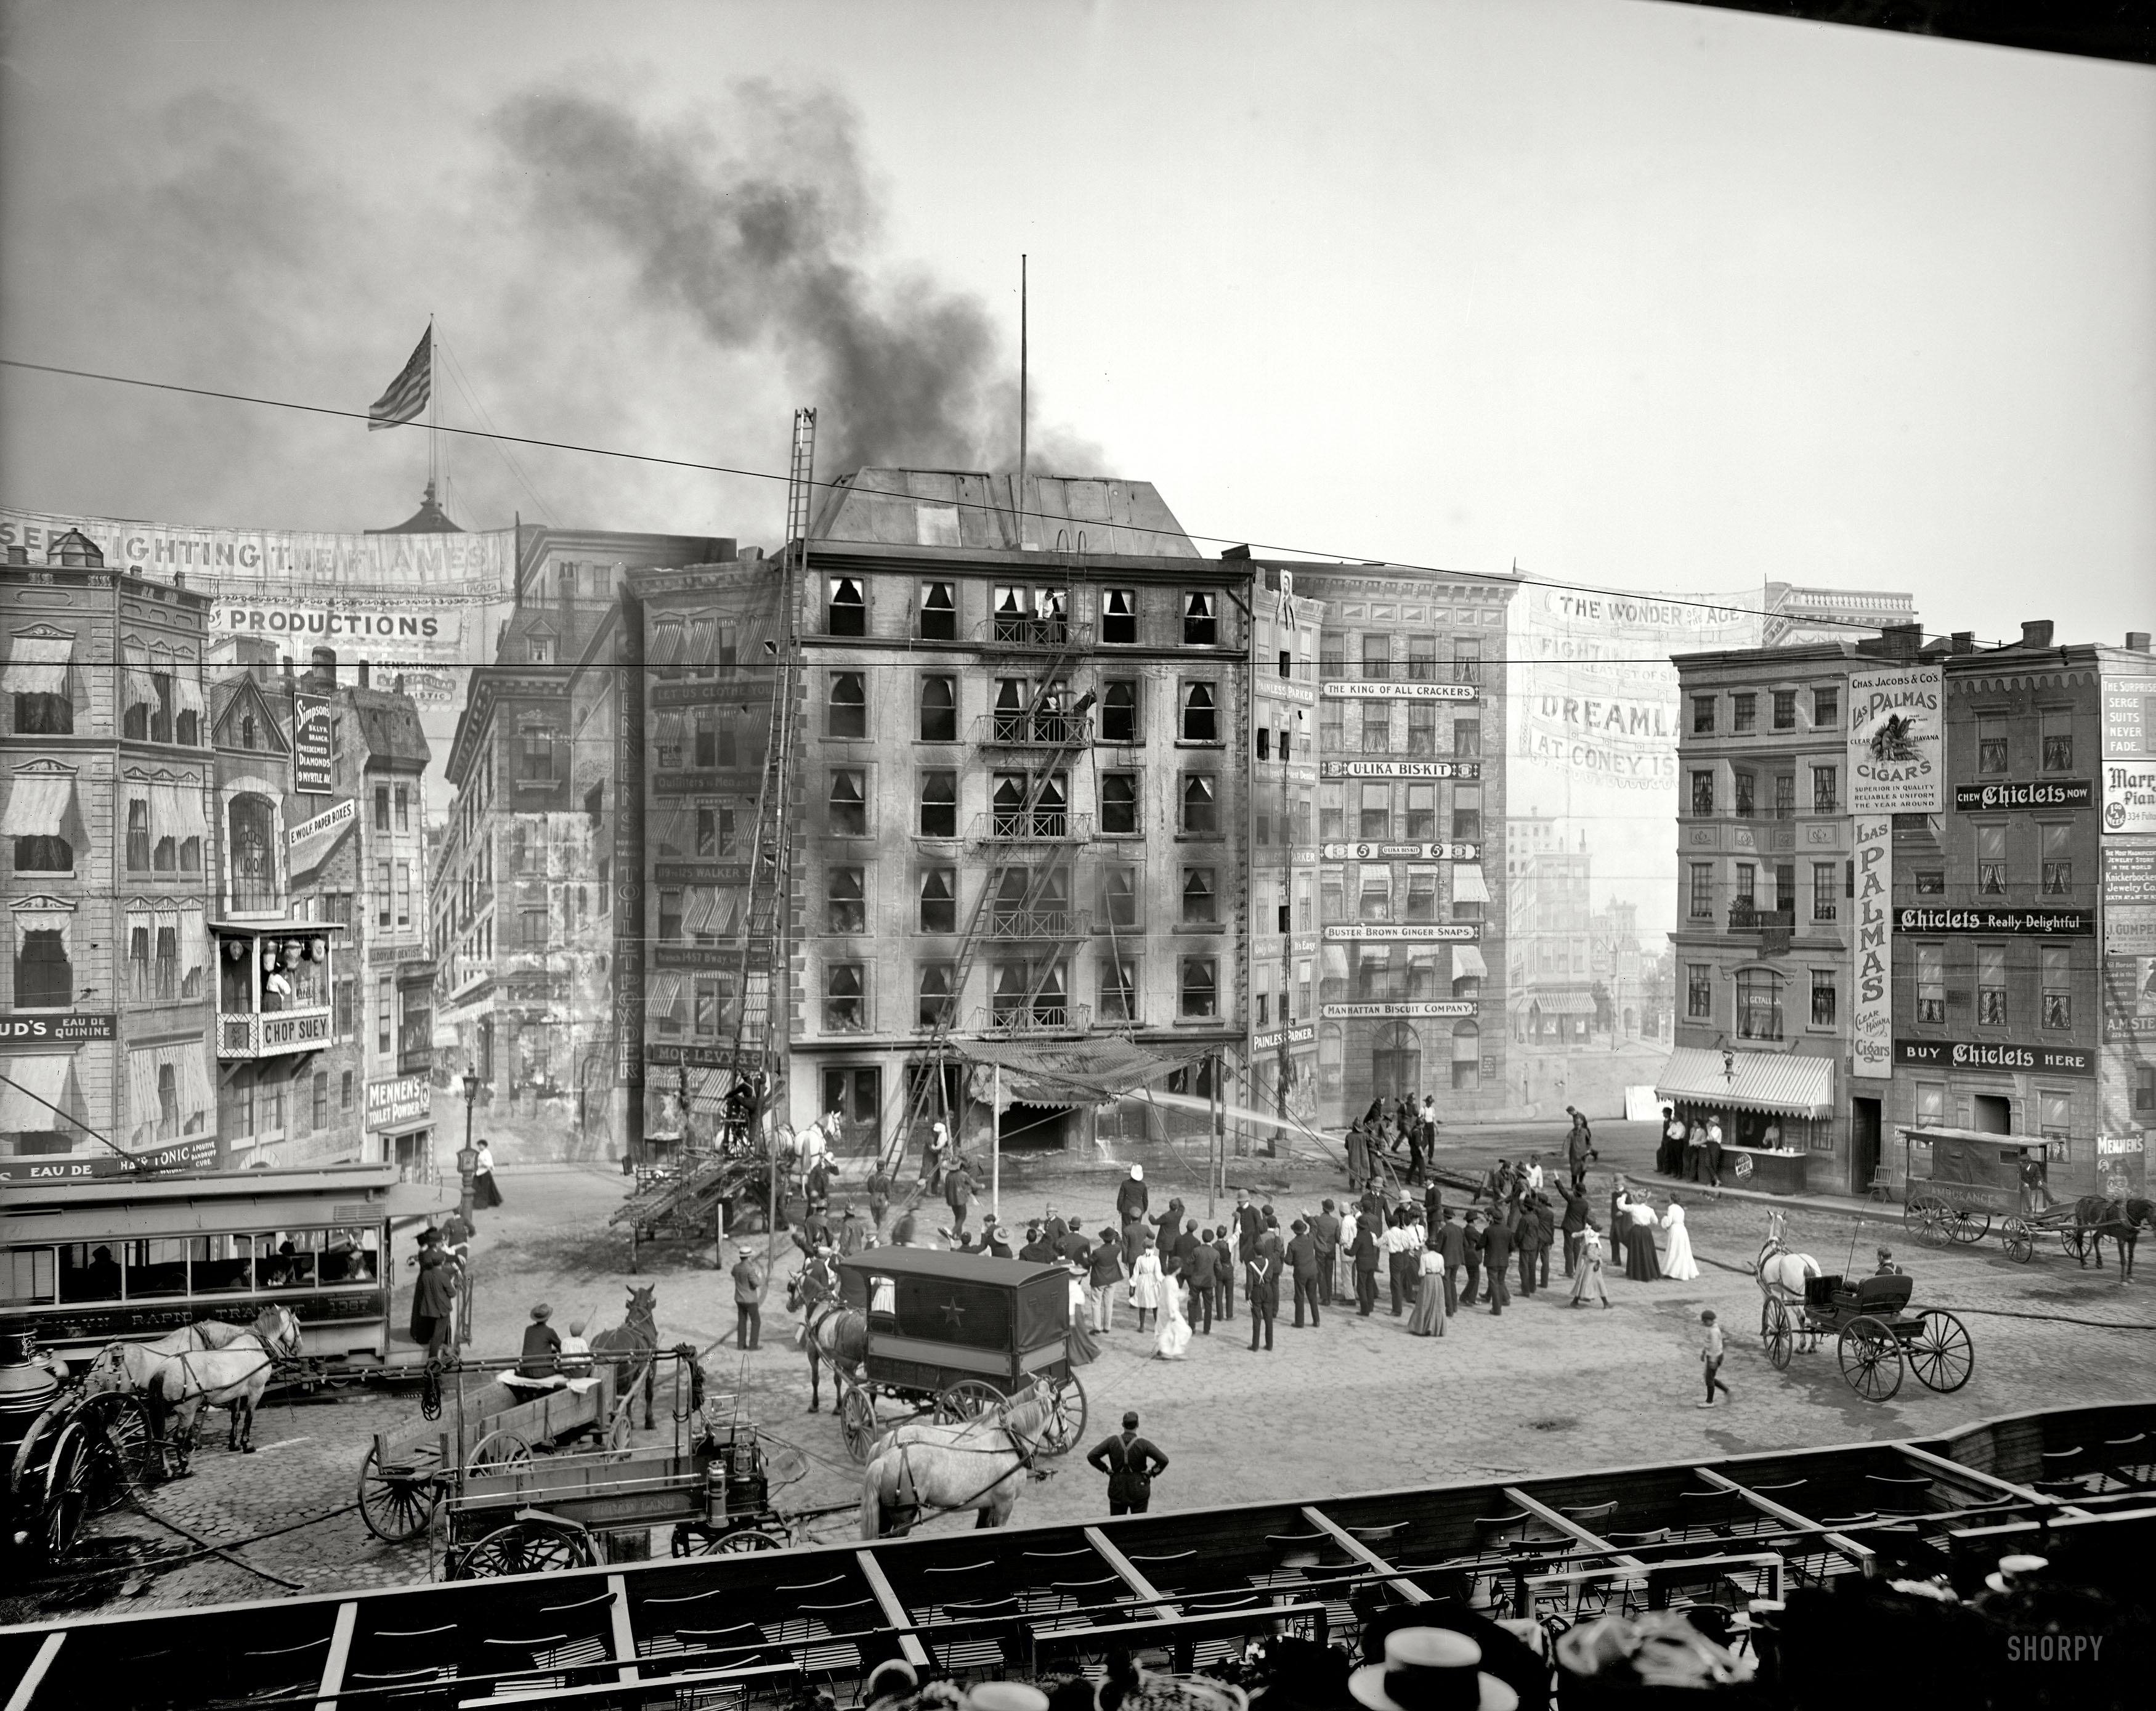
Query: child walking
(1710, 1357)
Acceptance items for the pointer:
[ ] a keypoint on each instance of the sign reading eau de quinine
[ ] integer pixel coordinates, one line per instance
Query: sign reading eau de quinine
(2036, 793)
(1988, 1054)
(1402, 770)
(1894, 740)
(1400, 852)
(1353, 690)
(2026, 923)
(1402, 932)
(70, 1029)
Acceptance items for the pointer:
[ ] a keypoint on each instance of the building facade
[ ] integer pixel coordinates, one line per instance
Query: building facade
(108, 767)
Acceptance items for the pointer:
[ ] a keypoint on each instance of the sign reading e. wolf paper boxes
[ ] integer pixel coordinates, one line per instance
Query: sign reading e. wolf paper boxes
(1871, 1019)
(398, 1099)
(1895, 727)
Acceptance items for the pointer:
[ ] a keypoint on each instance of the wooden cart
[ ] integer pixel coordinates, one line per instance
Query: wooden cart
(1977, 1181)
(956, 1334)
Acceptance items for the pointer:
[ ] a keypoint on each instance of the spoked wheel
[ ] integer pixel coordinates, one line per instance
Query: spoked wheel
(397, 1502)
(527, 1548)
(500, 1451)
(1921, 1210)
(1940, 1354)
(741, 1543)
(1935, 1225)
(968, 1399)
(617, 1431)
(1778, 1336)
(125, 1448)
(2019, 1239)
(2075, 1240)
(65, 1499)
(1968, 1225)
(1870, 1357)
(857, 1420)
(1066, 1425)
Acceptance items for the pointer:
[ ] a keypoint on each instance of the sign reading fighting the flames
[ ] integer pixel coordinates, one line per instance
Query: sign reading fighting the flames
(1894, 740)
(1872, 1017)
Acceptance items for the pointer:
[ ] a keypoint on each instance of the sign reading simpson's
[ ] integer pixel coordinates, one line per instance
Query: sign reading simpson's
(1463, 769)
(1894, 740)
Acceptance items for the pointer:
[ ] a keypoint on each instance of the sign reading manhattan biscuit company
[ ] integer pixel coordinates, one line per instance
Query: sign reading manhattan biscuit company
(1984, 1055)
(1894, 740)
(1427, 1007)
(1402, 770)
(2045, 793)
(1400, 852)
(2027, 923)
(1351, 690)
(1401, 931)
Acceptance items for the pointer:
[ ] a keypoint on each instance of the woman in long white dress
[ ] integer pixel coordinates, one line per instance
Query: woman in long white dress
(1174, 1338)
(1678, 1261)
(1148, 1284)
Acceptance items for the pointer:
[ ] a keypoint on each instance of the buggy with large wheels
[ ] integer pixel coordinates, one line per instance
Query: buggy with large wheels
(1876, 1334)
(954, 1335)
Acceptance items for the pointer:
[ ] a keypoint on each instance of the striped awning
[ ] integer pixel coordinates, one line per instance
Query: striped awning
(1558, 1004)
(1777, 1081)
(38, 805)
(1467, 960)
(33, 1087)
(666, 638)
(1467, 886)
(37, 665)
(664, 996)
(675, 830)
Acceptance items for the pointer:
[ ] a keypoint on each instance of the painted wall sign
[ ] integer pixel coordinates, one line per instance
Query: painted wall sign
(1392, 932)
(310, 843)
(314, 754)
(1894, 738)
(1433, 1007)
(1467, 769)
(1872, 1015)
(2007, 923)
(1987, 1055)
(2129, 796)
(398, 1099)
(2039, 793)
(2129, 718)
(71, 1029)
(1385, 689)
(2129, 998)
(2128, 890)
(1400, 852)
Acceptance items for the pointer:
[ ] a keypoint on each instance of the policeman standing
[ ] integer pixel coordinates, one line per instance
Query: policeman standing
(1129, 1461)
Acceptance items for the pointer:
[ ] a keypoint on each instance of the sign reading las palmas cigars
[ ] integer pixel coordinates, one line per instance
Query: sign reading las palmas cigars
(1894, 740)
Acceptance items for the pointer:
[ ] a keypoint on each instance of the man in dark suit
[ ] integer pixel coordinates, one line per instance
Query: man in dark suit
(1302, 1263)
(1325, 1233)
(1452, 1248)
(1470, 1237)
(1131, 1196)
(1074, 1245)
(1262, 1281)
(1496, 1250)
(1531, 1239)
(1368, 1259)
(1224, 1270)
(1577, 1218)
(1185, 1246)
(1132, 1463)
(1201, 1270)
(1249, 1225)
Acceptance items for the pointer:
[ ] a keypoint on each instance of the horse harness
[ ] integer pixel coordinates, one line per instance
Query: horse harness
(905, 1502)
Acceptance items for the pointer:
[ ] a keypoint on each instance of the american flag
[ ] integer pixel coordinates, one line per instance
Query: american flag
(408, 394)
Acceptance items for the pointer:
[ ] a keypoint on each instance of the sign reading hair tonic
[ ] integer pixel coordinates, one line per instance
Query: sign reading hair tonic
(1872, 1015)
(1894, 740)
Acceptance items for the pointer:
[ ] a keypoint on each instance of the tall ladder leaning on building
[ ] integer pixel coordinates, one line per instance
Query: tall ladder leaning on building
(763, 977)
(1073, 738)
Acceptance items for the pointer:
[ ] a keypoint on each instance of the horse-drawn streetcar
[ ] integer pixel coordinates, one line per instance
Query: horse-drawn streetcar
(956, 1335)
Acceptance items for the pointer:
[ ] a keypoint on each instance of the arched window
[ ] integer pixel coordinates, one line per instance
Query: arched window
(1201, 716)
(849, 711)
(1395, 1062)
(939, 710)
(1467, 1056)
(252, 824)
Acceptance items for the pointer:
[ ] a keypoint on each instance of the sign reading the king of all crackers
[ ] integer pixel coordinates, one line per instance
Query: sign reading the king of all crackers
(1896, 763)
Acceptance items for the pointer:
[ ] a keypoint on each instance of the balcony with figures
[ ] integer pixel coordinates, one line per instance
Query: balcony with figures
(274, 988)
(1050, 1016)
(1774, 928)
(1048, 728)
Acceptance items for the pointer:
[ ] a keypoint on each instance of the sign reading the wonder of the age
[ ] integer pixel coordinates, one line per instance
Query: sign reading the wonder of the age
(1411, 690)
(1872, 1017)
(1401, 931)
(2005, 923)
(2036, 793)
(1402, 770)
(1895, 728)
(1987, 1055)
(2130, 796)
(1400, 852)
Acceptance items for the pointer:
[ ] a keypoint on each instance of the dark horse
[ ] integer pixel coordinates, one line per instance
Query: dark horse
(830, 1330)
(2095, 1217)
(630, 1347)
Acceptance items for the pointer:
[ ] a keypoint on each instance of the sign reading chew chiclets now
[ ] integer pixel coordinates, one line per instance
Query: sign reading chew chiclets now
(1894, 736)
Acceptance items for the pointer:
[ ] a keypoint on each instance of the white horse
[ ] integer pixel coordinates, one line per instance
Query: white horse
(1782, 1271)
(214, 1333)
(184, 1382)
(919, 1468)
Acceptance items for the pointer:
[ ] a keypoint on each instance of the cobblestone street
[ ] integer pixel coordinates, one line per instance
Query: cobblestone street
(1356, 1404)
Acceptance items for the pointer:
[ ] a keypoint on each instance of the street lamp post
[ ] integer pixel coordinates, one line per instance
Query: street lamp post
(467, 1177)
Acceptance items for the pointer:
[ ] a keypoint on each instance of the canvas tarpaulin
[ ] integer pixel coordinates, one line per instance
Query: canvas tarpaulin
(1089, 1072)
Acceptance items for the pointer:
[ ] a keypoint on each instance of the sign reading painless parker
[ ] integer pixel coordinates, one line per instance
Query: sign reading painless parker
(1894, 740)
(313, 753)
(1871, 1017)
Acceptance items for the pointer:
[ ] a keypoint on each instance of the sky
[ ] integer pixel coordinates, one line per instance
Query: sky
(1630, 294)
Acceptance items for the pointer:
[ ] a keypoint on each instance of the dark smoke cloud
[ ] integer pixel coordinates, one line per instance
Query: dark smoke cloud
(763, 239)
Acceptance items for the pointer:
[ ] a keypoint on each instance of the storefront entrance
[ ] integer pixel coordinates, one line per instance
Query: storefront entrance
(1991, 1114)
(1863, 1144)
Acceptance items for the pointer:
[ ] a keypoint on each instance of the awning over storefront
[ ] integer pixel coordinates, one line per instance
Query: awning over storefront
(1467, 960)
(1558, 1004)
(1756, 1081)
(1092, 1073)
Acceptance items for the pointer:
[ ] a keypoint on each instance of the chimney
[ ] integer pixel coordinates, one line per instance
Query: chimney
(2036, 633)
(398, 685)
(1241, 551)
(2136, 641)
(362, 673)
(324, 664)
(1964, 641)
(287, 672)
(1901, 641)
(19, 555)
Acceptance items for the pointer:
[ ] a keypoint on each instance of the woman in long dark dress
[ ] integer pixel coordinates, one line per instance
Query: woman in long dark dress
(1641, 1263)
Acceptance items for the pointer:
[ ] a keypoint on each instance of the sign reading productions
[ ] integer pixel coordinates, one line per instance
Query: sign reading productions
(1984, 1055)
(2130, 796)
(1400, 852)
(2060, 793)
(313, 754)
(1893, 739)
(2024, 924)
(1387, 691)
(1402, 770)
(1871, 1018)
(1397, 932)
(1451, 1007)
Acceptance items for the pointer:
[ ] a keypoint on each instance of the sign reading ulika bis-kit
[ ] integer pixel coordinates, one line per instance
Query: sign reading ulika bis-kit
(1896, 762)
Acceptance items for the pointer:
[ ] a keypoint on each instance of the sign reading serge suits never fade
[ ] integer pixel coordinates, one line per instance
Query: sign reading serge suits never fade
(1894, 740)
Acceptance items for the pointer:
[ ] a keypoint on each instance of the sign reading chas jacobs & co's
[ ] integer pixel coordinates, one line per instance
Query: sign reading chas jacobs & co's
(1894, 740)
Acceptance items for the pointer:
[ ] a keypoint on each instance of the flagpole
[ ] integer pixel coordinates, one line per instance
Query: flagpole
(434, 416)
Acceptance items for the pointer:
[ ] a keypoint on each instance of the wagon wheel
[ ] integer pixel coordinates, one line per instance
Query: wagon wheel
(1968, 1225)
(527, 1548)
(1778, 1336)
(1065, 1424)
(1870, 1357)
(1935, 1225)
(124, 1445)
(617, 1431)
(857, 1420)
(498, 1452)
(65, 1499)
(2019, 1240)
(2074, 1239)
(1920, 1211)
(397, 1502)
(747, 1540)
(1940, 1354)
(175, 1450)
(968, 1399)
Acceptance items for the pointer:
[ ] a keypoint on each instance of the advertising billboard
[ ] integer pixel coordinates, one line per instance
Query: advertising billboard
(1871, 1015)
(1895, 734)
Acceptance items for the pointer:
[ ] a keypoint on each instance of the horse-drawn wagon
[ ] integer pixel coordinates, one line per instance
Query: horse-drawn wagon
(956, 1334)
(1876, 1334)
(66, 1453)
(1975, 1181)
